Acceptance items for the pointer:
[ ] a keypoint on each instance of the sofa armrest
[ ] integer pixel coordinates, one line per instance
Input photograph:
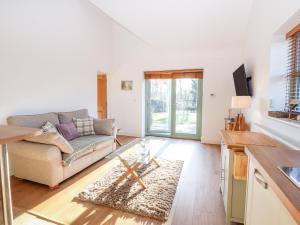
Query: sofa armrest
(36, 162)
(115, 132)
(104, 126)
(38, 151)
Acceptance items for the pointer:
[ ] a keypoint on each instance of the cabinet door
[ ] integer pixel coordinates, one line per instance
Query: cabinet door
(285, 217)
(226, 177)
(222, 169)
(264, 207)
(249, 194)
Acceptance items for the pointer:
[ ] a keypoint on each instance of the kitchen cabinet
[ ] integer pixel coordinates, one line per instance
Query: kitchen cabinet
(233, 191)
(263, 207)
(233, 170)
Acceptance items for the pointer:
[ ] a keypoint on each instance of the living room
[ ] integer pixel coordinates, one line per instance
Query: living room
(170, 91)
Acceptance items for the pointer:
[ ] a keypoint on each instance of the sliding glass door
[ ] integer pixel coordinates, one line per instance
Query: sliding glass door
(186, 106)
(160, 106)
(173, 107)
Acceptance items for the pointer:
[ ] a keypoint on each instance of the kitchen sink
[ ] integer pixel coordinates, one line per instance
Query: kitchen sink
(293, 173)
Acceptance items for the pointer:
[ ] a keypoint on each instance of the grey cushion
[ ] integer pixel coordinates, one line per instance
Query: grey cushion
(84, 145)
(53, 139)
(67, 117)
(35, 121)
(51, 136)
(104, 127)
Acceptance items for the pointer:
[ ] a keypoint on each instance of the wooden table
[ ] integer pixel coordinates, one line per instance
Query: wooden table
(239, 139)
(142, 156)
(10, 134)
(131, 170)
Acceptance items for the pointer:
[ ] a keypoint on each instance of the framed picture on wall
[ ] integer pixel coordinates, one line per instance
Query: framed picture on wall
(126, 85)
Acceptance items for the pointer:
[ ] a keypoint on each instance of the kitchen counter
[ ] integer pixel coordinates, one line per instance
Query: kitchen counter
(267, 159)
(238, 139)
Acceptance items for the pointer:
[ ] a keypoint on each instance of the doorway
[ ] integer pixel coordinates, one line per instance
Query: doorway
(102, 95)
(174, 105)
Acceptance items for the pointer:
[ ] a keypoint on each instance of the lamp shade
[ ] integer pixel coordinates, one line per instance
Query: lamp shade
(240, 102)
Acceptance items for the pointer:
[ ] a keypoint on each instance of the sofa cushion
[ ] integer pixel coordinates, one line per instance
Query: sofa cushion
(35, 121)
(49, 127)
(84, 126)
(68, 130)
(85, 145)
(50, 136)
(67, 117)
(104, 127)
(53, 139)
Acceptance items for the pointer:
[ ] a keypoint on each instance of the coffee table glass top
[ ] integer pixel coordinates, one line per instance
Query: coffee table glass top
(140, 152)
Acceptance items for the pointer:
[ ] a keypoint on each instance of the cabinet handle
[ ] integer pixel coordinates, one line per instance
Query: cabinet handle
(260, 179)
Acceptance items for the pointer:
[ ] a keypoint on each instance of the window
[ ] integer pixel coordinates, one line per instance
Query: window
(293, 75)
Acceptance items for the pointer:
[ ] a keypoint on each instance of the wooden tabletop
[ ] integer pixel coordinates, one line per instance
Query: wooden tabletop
(9, 134)
(267, 160)
(242, 138)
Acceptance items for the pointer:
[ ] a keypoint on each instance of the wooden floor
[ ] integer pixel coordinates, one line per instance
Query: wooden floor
(197, 200)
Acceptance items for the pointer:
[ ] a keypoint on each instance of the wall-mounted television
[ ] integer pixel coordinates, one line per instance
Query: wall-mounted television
(241, 82)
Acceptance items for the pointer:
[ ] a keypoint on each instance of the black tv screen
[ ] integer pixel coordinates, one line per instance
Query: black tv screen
(240, 82)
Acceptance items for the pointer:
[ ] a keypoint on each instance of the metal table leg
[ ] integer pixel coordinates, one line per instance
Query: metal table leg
(5, 185)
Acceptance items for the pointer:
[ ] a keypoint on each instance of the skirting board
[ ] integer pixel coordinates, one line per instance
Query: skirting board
(203, 139)
(210, 141)
(129, 134)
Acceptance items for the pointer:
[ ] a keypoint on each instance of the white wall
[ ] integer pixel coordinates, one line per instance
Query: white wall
(50, 52)
(267, 17)
(132, 57)
(182, 24)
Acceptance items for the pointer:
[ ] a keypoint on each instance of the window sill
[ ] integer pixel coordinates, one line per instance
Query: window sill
(294, 123)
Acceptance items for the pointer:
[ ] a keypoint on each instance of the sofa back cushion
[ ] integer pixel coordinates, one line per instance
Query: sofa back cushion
(67, 117)
(36, 121)
(104, 127)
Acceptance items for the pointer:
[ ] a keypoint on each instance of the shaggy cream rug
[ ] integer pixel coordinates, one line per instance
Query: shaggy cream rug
(155, 201)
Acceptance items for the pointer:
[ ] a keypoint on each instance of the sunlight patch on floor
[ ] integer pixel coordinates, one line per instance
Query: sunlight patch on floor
(60, 206)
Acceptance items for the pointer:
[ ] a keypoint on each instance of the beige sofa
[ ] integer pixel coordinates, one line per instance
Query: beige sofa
(43, 163)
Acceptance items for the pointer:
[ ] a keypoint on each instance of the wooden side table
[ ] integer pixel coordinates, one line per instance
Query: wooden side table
(10, 134)
(117, 140)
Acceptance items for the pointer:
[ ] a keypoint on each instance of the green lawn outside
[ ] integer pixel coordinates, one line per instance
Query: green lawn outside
(182, 117)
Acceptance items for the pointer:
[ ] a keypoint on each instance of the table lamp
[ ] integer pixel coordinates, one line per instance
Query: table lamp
(240, 102)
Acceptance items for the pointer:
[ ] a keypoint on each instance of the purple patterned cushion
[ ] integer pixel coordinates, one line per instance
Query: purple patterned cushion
(68, 130)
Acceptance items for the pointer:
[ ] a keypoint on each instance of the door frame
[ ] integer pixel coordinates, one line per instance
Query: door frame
(172, 132)
(102, 76)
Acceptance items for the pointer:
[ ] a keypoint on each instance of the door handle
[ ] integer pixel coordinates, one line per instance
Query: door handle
(260, 179)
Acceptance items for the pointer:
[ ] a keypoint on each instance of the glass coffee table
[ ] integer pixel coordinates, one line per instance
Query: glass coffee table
(140, 154)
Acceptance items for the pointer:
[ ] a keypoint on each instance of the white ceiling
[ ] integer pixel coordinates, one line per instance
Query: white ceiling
(182, 24)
